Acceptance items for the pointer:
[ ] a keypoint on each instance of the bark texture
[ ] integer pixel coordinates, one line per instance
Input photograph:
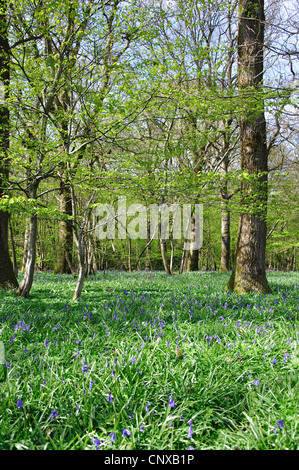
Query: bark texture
(64, 255)
(26, 284)
(81, 268)
(194, 253)
(7, 275)
(249, 273)
(225, 238)
(225, 222)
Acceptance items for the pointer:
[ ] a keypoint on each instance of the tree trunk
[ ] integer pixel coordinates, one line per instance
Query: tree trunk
(225, 237)
(249, 272)
(13, 249)
(7, 275)
(148, 266)
(25, 249)
(171, 255)
(164, 255)
(81, 271)
(26, 284)
(182, 260)
(64, 255)
(225, 218)
(194, 253)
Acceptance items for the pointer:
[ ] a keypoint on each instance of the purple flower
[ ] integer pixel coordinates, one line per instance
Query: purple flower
(274, 361)
(109, 398)
(190, 432)
(84, 368)
(54, 414)
(44, 383)
(19, 404)
(256, 382)
(46, 342)
(285, 357)
(11, 341)
(280, 423)
(97, 443)
(126, 432)
(146, 408)
(113, 438)
(91, 384)
(172, 404)
(142, 428)
(191, 448)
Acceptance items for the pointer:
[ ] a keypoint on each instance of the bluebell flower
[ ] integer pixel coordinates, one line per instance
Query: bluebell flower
(280, 423)
(285, 357)
(146, 408)
(190, 432)
(97, 443)
(109, 398)
(54, 414)
(19, 404)
(172, 404)
(126, 432)
(113, 438)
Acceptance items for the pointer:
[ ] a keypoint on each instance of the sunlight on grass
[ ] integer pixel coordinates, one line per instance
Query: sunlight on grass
(148, 361)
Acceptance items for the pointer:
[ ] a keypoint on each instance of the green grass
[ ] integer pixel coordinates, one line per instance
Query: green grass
(235, 375)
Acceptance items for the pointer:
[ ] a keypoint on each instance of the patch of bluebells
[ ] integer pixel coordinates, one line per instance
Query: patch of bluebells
(19, 404)
(54, 414)
(126, 432)
(156, 326)
(280, 424)
(172, 404)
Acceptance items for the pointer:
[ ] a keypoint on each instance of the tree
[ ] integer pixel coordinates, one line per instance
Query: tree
(249, 272)
(7, 275)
